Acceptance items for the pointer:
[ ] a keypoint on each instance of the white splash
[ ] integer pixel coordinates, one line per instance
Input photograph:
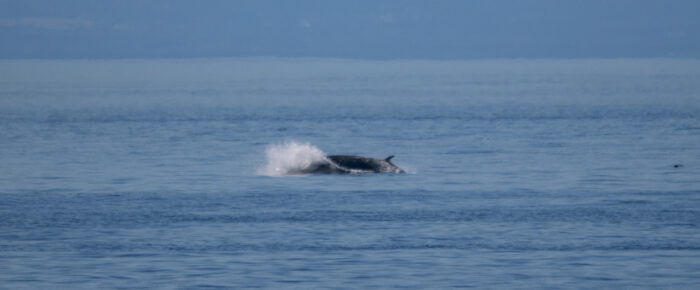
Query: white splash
(291, 158)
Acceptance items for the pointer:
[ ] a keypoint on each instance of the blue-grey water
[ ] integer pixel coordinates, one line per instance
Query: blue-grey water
(522, 173)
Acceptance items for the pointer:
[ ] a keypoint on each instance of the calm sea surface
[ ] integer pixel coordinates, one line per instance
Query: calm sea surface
(522, 174)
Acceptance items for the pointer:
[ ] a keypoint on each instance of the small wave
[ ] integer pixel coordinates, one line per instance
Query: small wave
(291, 158)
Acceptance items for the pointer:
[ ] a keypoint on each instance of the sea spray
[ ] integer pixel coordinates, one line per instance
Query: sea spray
(291, 158)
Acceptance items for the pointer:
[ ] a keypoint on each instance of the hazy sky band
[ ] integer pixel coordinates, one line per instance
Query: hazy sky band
(350, 29)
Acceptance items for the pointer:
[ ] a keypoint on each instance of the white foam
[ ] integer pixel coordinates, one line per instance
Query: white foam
(291, 158)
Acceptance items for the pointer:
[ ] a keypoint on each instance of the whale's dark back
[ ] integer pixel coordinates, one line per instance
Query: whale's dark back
(355, 162)
(365, 163)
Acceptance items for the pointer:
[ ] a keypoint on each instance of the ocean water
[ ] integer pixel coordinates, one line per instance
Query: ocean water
(521, 173)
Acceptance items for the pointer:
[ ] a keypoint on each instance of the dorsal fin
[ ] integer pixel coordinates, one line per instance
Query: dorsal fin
(388, 159)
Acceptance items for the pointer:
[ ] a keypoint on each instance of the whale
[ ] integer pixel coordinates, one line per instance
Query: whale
(349, 164)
